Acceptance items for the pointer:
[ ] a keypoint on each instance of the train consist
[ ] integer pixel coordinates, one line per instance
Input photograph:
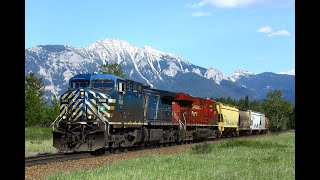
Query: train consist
(104, 111)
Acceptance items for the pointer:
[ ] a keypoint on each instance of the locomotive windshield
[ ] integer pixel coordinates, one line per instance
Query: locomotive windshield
(79, 83)
(102, 84)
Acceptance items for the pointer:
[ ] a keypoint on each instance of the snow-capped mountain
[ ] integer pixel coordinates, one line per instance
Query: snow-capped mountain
(240, 73)
(290, 72)
(55, 64)
(261, 83)
(215, 75)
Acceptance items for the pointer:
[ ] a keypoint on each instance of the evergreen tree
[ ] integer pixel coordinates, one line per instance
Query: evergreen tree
(277, 110)
(53, 110)
(246, 103)
(114, 69)
(292, 122)
(34, 100)
(240, 104)
(256, 106)
(229, 101)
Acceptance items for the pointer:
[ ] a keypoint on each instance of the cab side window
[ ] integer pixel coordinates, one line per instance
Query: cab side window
(122, 87)
(131, 86)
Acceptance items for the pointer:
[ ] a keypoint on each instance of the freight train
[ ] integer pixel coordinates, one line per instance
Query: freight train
(107, 112)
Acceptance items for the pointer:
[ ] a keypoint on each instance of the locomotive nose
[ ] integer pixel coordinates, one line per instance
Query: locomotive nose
(77, 106)
(77, 110)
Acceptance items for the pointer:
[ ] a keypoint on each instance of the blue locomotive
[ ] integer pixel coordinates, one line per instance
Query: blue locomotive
(104, 111)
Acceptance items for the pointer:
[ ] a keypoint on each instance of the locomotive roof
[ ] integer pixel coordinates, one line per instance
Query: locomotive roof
(96, 76)
(162, 93)
(185, 97)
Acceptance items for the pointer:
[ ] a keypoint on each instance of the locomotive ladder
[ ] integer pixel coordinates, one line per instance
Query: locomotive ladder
(181, 125)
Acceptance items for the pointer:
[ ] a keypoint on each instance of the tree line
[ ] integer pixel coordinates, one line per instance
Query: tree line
(41, 112)
(38, 112)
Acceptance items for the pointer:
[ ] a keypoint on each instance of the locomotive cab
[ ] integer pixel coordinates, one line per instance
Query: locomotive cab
(85, 111)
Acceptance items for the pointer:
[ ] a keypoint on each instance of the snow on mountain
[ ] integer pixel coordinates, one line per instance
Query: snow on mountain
(239, 73)
(290, 72)
(172, 70)
(197, 71)
(214, 74)
(57, 63)
(264, 82)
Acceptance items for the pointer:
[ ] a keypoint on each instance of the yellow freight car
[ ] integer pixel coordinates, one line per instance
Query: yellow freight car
(228, 118)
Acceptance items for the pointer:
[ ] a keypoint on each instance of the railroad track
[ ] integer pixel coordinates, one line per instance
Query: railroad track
(56, 157)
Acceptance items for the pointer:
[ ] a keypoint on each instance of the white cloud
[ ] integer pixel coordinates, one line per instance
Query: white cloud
(271, 33)
(265, 29)
(225, 3)
(232, 3)
(199, 4)
(280, 33)
(241, 3)
(199, 14)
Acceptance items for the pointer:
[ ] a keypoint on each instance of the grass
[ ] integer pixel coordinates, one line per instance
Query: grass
(203, 148)
(38, 140)
(266, 158)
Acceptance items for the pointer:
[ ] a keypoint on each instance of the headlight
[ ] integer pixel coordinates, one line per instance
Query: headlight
(64, 117)
(90, 116)
(82, 93)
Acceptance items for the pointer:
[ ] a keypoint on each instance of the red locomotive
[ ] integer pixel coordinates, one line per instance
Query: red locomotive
(198, 117)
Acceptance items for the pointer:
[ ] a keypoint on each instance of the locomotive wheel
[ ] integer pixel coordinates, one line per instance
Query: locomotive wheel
(215, 134)
(116, 150)
(123, 149)
(234, 134)
(98, 152)
(219, 134)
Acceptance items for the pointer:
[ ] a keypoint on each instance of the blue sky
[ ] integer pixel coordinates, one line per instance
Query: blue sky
(255, 35)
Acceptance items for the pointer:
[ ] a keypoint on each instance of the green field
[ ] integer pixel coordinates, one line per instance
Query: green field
(271, 157)
(38, 140)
